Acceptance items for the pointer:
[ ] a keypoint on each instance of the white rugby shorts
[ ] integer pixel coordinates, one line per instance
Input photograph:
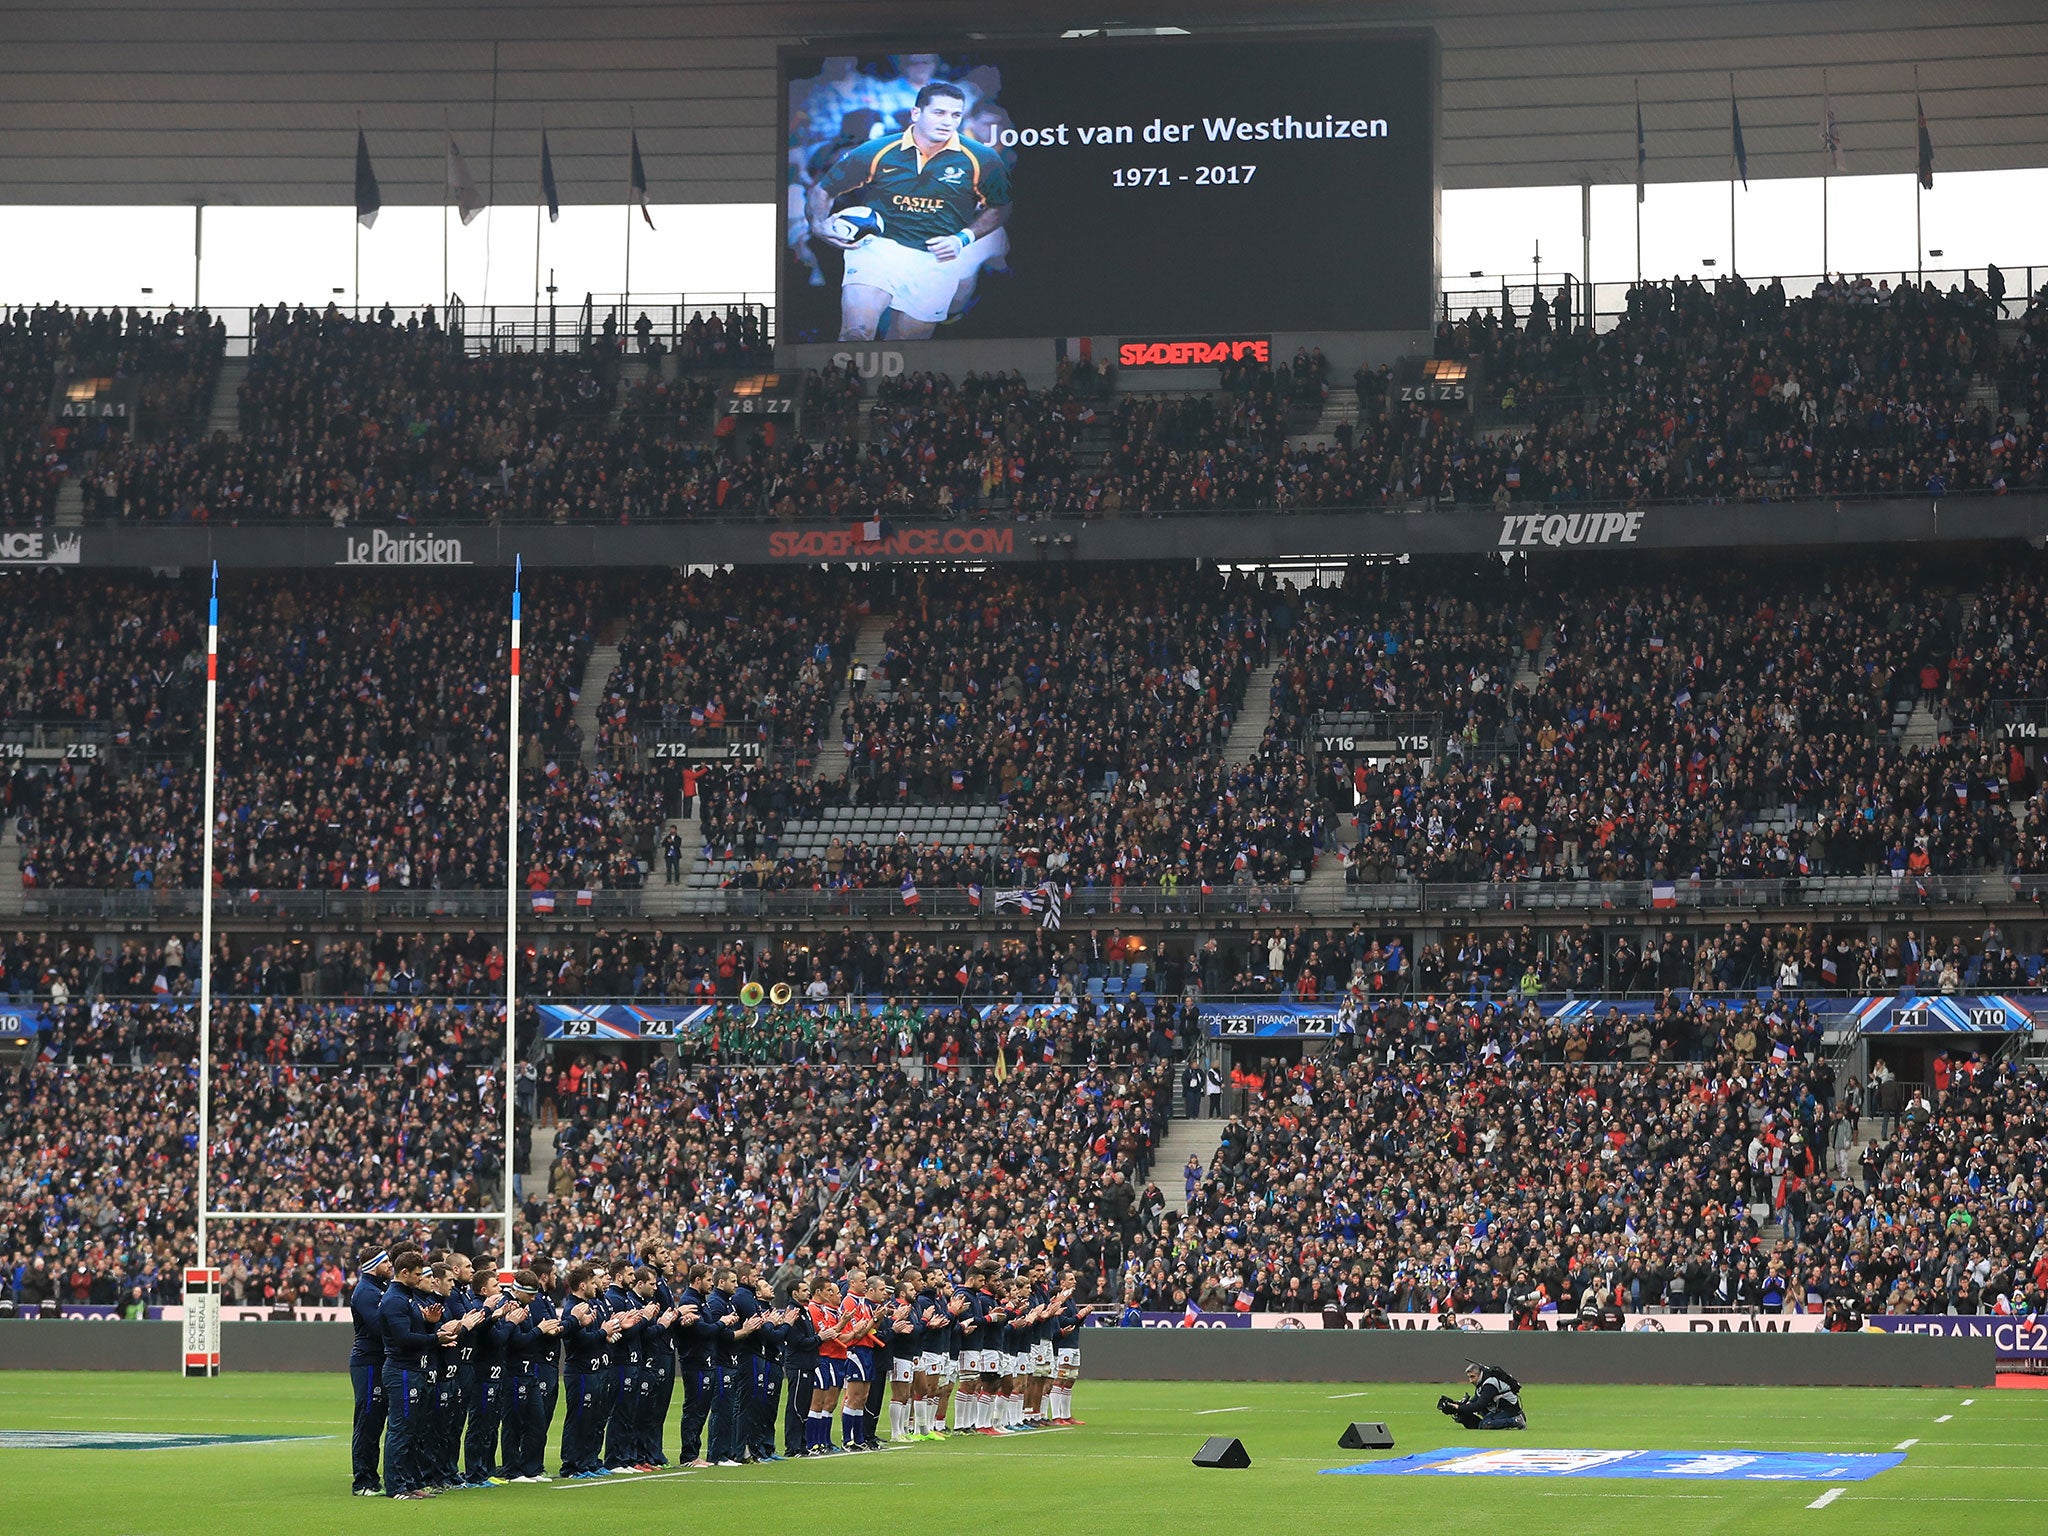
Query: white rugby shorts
(918, 283)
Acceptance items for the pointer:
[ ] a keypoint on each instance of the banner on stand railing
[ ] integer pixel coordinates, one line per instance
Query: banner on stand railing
(1486, 1322)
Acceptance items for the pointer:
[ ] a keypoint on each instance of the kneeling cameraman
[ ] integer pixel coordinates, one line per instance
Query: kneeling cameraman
(1495, 1401)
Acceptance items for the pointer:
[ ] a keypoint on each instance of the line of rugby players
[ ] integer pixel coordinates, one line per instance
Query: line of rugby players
(457, 1374)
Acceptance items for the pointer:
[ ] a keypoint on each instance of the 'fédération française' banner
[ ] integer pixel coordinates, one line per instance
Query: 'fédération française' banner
(2014, 1339)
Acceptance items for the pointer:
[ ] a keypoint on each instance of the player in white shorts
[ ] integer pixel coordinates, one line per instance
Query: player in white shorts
(1067, 1324)
(896, 1323)
(938, 194)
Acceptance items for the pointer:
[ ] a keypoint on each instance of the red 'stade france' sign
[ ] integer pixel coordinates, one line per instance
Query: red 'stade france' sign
(946, 542)
(1202, 352)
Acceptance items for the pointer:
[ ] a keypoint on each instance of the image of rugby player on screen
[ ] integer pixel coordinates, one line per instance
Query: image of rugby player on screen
(938, 193)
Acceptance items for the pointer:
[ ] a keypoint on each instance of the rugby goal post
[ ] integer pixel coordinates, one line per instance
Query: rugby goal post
(202, 1291)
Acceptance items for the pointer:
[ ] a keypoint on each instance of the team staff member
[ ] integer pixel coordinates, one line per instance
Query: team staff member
(938, 192)
(695, 1330)
(366, 1370)
(413, 1337)
(799, 1367)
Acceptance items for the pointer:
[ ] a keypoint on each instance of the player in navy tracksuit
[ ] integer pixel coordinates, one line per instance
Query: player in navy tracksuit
(535, 1356)
(586, 1374)
(660, 1359)
(726, 1345)
(631, 1392)
(458, 1366)
(694, 1331)
(412, 1359)
(490, 1388)
(799, 1361)
(760, 1364)
(366, 1369)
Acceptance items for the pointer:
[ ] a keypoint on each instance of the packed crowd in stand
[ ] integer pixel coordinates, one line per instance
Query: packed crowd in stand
(158, 370)
(1631, 723)
(1448, 1154)
(1449, 1164)
(361, 740)
(1700, 393)
(1456, 1148)
(720, 657)
(1595, 729)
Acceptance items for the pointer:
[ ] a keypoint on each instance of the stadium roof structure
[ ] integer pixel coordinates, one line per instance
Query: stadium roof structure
(255, 101)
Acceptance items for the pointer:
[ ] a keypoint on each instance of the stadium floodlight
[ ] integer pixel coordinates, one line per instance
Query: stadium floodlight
(201, 1354)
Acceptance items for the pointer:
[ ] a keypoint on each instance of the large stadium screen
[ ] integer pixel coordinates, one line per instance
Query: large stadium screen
(1159, 187)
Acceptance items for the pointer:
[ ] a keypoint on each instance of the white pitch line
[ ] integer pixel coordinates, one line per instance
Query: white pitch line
(1944, 1418)
(1199, 1412)
(1906, 1445)
(1334, 1396)
(1968, 1400)
(622, 1482)
(1827, 1498)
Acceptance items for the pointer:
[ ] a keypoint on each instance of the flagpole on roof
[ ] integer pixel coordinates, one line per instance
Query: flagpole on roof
(540, 196)
(632, 165)
(362, 159)
(1642, 165)
(491, 173)
(1735, 165)
(447, 148)
(1923, 176)
(1828, 147)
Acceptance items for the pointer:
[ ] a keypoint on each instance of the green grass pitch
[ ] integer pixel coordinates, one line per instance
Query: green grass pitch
(1977, 1465)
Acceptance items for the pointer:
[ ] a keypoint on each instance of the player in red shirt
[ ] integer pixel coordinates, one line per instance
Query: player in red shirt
(830, 1373)
(857, 1325)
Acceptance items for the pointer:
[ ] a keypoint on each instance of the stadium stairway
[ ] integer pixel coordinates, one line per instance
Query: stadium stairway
(10, 867)
(657, 897)
(1248, 731)
(70, 511)
(597, 671)
(1323, 894)
(224, 414)
(1201, 1137)
(869, 643)
(1341, 405)
(1923, 730)
(540, 1163)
